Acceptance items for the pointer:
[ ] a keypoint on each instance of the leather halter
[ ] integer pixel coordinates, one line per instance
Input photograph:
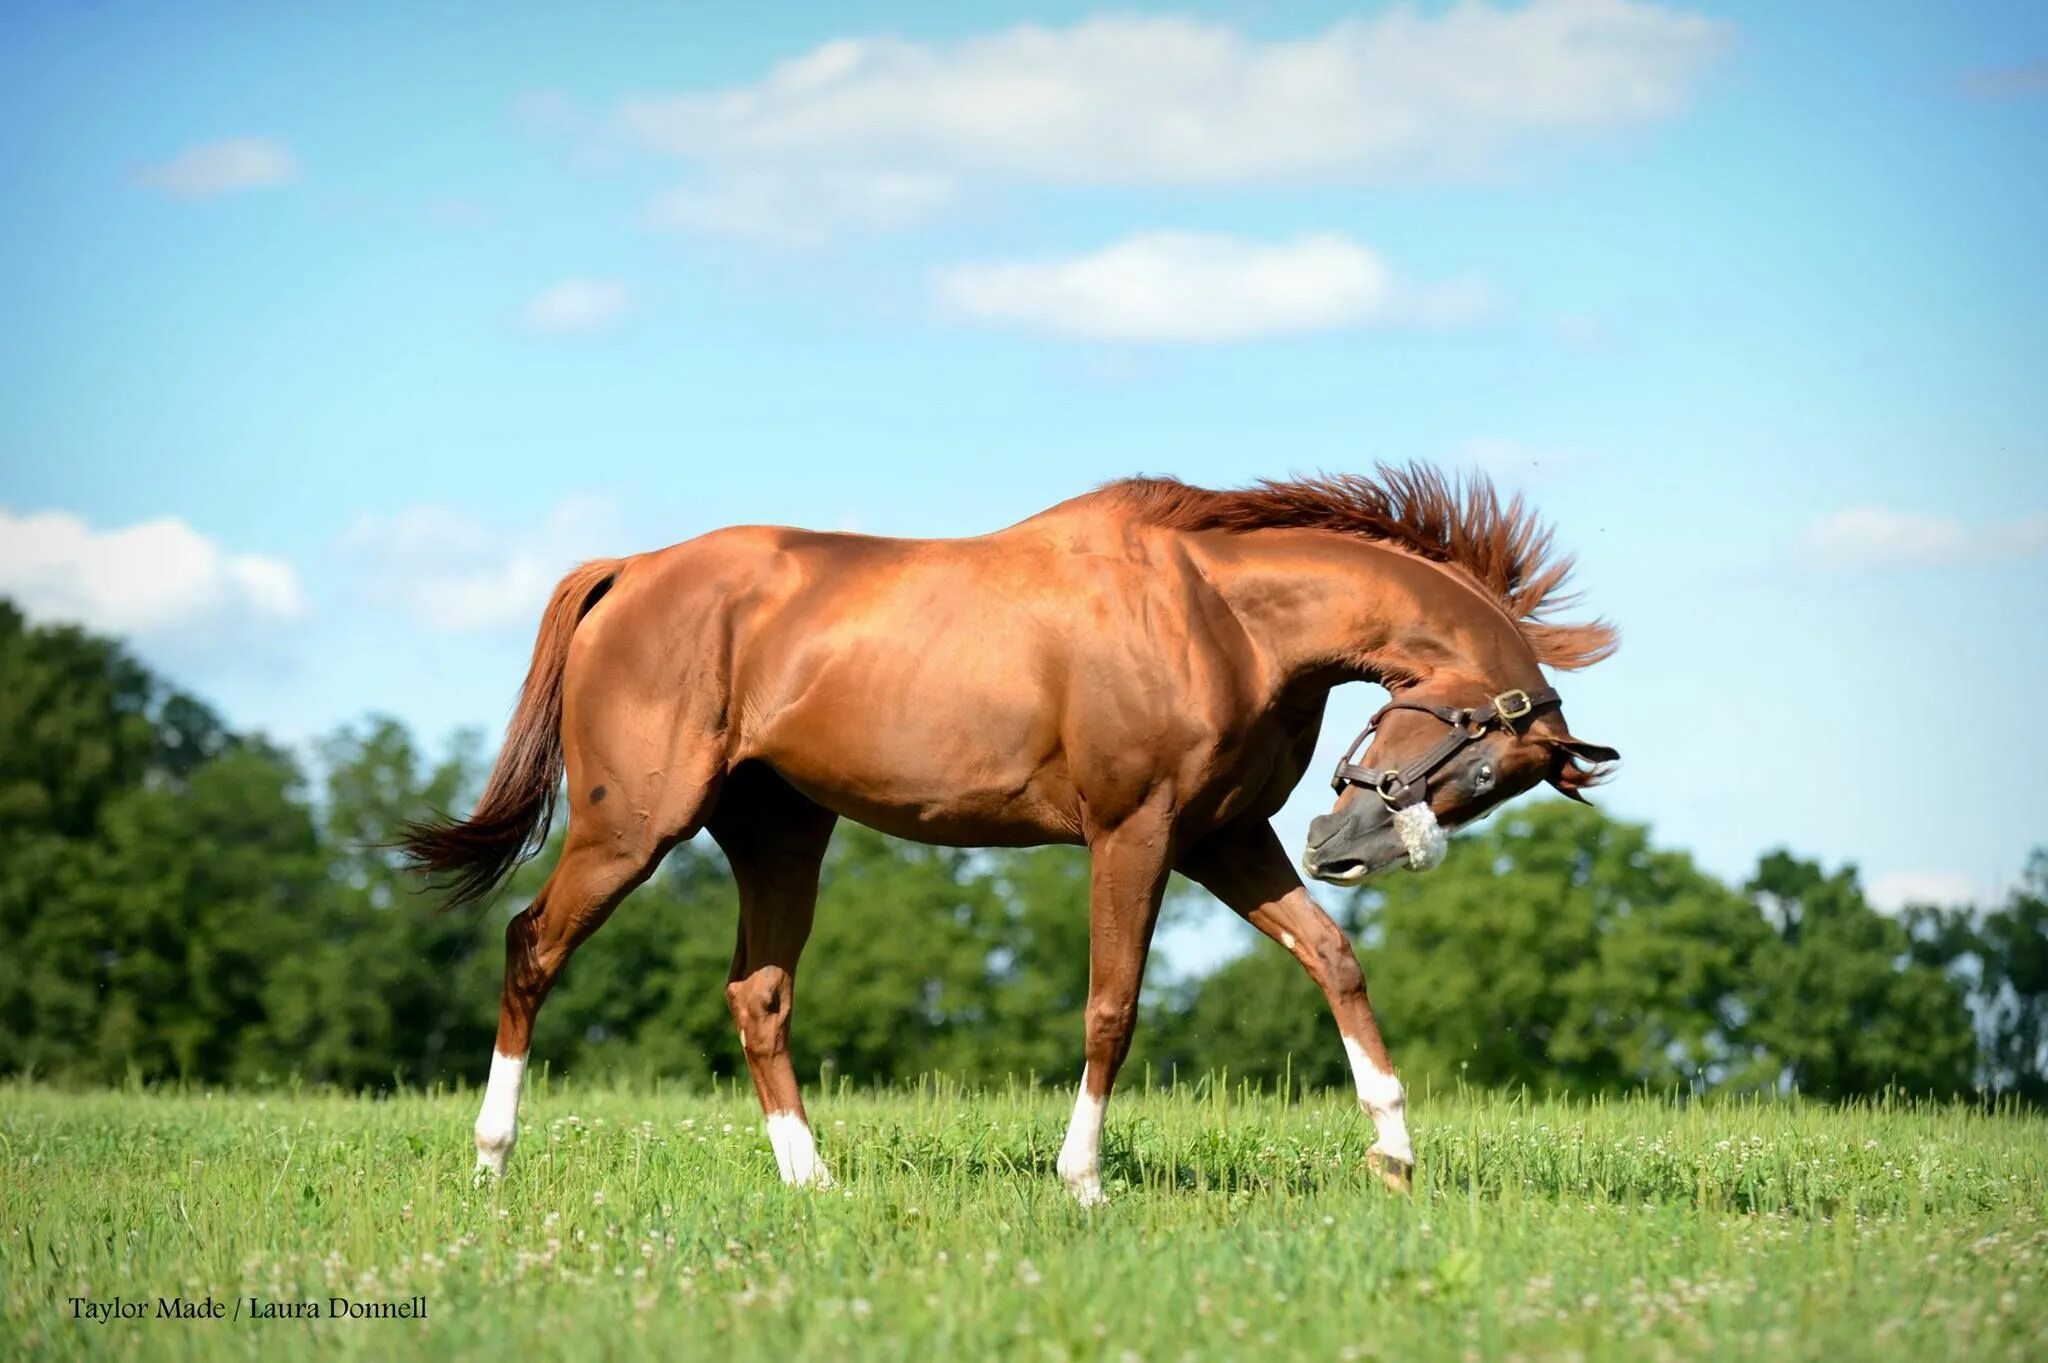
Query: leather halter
(1401, 788)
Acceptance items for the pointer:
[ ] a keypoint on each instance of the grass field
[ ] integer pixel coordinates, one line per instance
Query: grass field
(651, 1224)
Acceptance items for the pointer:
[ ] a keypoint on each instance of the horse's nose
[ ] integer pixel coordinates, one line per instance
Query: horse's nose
(1322, 828)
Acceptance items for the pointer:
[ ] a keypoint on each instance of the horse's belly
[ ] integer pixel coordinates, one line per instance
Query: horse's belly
(948, 812)
(974, 780)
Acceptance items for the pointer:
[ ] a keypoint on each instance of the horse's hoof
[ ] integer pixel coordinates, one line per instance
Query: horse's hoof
(1396, 1173)
(1086, 1190)
(490, 1159)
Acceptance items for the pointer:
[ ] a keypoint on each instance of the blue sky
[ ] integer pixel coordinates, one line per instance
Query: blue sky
(333, 334)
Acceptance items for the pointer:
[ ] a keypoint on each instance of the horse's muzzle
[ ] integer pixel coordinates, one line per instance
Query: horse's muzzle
(1347, 846)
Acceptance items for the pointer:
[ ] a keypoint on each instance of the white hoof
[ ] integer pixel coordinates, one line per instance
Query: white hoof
(1396, 1172)
(497, 1126)
(493, 1149)
(1088, 1192)
(1085, 1183)
(1080, 1161)
(796, 1155)
(819, 1178)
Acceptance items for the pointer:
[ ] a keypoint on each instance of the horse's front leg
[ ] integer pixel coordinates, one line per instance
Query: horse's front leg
(1127, 878)
(1246, 867)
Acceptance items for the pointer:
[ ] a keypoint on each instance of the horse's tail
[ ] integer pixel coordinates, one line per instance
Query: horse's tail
(511, 820)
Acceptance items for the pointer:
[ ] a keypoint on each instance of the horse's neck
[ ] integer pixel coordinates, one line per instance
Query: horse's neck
(1325, 607)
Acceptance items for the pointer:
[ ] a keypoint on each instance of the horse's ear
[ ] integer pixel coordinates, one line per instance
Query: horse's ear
(1565, 772)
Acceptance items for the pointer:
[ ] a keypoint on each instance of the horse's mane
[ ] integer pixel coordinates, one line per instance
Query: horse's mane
(1505, 549)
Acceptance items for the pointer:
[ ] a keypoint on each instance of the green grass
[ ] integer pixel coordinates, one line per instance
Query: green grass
(651, 1224)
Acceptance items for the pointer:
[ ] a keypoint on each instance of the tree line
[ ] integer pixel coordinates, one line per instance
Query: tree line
(182, 901)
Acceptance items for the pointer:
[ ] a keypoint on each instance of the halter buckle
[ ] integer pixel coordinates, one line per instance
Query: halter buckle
(1513, 705)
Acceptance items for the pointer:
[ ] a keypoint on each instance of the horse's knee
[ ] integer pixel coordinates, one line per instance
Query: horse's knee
(1109, 1023)
(519, 935)
(525, 969)
(1328, 955)
(1340, 967)
(533, 953)
(760, 1005)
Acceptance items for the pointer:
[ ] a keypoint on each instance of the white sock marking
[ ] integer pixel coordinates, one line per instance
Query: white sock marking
(497, 1126)
(1080, 1161)
(1383, 1099)
(796, 1154)
(1422, 836)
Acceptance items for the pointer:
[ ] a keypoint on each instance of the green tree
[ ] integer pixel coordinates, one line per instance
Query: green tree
(195, 892)
(1555, 948)
(1034, 984)
(2000, 957)
(145, 854)
(1254, 1017)
(382, 987)
(1846, 1008)
(1566, 951)
(2014, 1003)
(77, 729)
(77, 726)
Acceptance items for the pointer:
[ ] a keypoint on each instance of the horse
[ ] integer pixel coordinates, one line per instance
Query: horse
(1142, 669)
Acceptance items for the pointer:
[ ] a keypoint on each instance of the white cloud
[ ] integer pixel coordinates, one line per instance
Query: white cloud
(576, 307)
(154, 578)
(802, 208)
(586, 142)
(1898, 890)
(223, 167)
(451, 572)
(1194, 286)
(1872, 536)
(1176, 101)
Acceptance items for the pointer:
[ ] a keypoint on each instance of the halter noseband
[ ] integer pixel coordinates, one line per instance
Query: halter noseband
(1402, 788)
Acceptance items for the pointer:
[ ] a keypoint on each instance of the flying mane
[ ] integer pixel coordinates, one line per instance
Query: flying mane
(1505, 549)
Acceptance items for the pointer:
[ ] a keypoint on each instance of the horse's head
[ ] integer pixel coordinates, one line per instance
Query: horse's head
(1442, 756)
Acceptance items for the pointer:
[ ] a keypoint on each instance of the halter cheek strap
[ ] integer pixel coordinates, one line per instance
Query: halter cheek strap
(1407, 786)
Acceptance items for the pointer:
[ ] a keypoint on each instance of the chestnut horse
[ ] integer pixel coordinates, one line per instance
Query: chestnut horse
(1142, 669)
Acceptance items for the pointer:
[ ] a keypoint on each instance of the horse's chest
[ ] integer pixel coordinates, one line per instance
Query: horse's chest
(1250, 774)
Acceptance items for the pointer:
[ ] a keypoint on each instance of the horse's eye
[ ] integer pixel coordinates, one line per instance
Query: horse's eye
(1484, 776)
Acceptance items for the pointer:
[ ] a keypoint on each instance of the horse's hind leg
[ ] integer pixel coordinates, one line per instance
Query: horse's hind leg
(613, 842)
(775, 840)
